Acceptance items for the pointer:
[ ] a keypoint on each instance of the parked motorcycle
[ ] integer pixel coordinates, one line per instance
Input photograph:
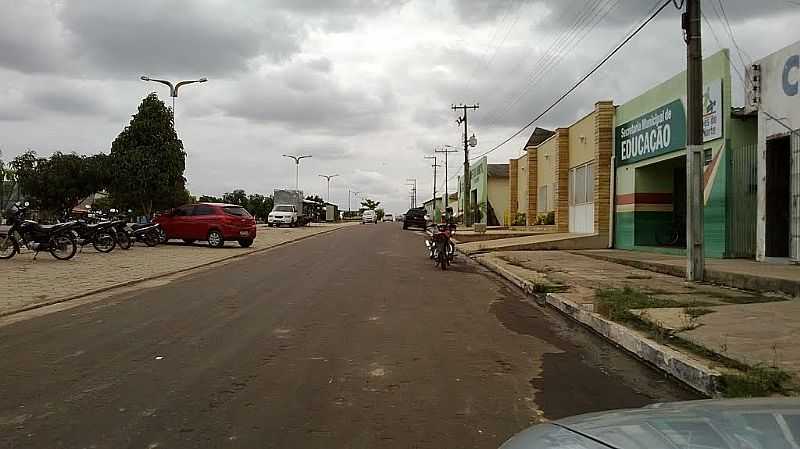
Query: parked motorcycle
(100, 235)
(440, 246)
(147, 233)
(57, 239)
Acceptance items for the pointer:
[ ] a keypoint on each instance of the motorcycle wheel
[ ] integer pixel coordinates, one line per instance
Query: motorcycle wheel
(8, 247)
(62, 246)
(442, 257)
(151, 239)
(104, 242)
(123, 240)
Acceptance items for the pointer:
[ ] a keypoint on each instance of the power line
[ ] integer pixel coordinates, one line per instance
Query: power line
(581, 80)
(553, 54)
(482, 59)
(548, 66)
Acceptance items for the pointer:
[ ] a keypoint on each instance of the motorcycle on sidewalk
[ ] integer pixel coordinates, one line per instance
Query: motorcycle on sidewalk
(57, 239)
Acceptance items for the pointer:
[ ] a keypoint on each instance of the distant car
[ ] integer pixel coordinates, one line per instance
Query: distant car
(369, 216)
(388, 217)
(283, 214)
(211, 222)
(416, 217)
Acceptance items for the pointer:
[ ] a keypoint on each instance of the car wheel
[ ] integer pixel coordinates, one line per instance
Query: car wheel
(215, 239)
(188, 241)
(245, 243)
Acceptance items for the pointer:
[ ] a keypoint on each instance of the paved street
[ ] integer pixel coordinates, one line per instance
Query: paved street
(350, 339)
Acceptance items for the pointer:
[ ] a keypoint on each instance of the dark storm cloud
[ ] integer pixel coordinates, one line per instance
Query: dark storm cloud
(30, 38)
(151, 37)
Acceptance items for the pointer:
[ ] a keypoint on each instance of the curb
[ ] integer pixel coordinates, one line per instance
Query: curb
(678, 365)
(160, 275)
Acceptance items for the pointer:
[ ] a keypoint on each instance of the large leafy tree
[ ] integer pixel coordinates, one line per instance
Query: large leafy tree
(238, 196)
(209, 199)
(370, 204)
(260, 205)
(58, 183)
(149, 160)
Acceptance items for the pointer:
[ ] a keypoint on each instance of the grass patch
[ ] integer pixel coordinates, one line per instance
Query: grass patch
(638, 276)
(541, 288)
(512, 261)
(755, 381)
(695, 312)
(616, 303)
(750, 299)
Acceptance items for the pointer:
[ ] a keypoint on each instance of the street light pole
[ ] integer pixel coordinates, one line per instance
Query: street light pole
(328, 178)
(173, 88)
(296, 160)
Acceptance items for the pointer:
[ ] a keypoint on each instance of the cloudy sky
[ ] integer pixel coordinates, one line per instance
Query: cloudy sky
(365, 86)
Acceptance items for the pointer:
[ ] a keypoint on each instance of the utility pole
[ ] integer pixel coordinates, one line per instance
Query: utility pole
(328, 178)
(446, 149)
(412, 183)
(435, 166)
(467, 143)
(694, 143)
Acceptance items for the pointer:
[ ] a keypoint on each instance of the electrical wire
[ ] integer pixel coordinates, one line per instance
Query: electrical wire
(581, 80)
(483, 58)
(549, 58)
(576, 39)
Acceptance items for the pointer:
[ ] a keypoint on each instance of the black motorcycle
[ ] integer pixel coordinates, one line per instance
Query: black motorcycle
(58, 239)
(100, 235)
(147, 233)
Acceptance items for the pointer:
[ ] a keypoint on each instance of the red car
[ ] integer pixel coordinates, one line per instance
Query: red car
(212, 222)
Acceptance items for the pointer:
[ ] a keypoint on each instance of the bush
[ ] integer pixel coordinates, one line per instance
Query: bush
(520, 219)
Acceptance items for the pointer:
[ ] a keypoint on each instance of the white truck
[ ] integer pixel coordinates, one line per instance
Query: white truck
(288, 209)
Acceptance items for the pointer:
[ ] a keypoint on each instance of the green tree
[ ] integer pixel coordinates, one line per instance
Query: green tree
(149, 160)
(315, 198)
(370, 204)
(260, 205)
(238, 196)
(58, 183)
(209, 199)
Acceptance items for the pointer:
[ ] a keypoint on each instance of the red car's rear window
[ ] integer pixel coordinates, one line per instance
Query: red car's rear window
(237, 210)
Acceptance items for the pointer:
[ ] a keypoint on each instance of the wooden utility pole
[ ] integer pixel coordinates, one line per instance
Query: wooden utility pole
(467, 187)
(694, 143)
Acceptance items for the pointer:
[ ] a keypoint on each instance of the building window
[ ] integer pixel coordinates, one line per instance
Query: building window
(581, 184)
(707, 156)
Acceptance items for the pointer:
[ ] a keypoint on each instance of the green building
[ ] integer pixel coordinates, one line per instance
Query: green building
(650, 168)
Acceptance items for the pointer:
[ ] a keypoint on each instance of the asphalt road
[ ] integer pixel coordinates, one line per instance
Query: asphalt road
(348, 340)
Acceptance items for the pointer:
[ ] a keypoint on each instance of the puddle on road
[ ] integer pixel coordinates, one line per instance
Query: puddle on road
(587, 373)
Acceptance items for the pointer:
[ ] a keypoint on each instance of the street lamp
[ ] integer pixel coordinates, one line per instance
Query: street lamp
(296, 160)
(328, 178)
(173, 88)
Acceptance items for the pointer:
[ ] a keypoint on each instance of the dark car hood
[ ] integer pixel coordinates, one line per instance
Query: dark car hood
(742, 424)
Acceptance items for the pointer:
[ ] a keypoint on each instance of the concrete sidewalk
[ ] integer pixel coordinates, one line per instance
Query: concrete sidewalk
(742, 326)
(45, 281)
(739, 273)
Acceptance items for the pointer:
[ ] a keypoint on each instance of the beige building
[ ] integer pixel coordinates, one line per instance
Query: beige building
(566, 174)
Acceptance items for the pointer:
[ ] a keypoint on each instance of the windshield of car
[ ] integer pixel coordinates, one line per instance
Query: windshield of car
(284, 209)
(236, 210)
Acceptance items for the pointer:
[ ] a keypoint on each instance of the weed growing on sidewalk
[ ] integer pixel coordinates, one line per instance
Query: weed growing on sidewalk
(695, 312)
(759, 380)
(616, 303)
